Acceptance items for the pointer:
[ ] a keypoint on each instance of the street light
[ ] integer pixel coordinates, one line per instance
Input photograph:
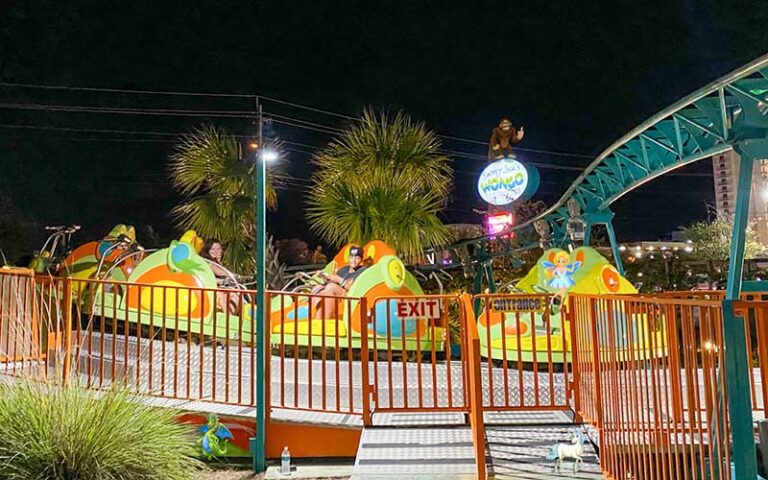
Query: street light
(263, 155)
(269, 156)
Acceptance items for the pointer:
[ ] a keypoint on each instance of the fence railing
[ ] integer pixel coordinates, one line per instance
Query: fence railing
(315, 362)
(475, 387)
(416, 363)
(647, 372)
(651, 378)
(527, 350)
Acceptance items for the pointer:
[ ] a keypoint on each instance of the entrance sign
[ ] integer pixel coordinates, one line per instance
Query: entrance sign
(503, 181)
(426, 308)
(519, 304)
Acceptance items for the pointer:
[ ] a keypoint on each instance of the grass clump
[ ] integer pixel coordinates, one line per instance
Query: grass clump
(68, 433)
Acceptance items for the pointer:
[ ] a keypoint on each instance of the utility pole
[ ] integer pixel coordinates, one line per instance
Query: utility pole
(259, 446)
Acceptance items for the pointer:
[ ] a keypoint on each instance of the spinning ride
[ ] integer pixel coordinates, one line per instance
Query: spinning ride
(175, 288)
(519, 332)
(293, 319)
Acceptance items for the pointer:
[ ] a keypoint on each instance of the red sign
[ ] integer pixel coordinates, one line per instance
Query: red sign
(427, 308)
(498, 223)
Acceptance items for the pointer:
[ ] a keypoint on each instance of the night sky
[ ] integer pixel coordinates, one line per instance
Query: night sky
(576, 75)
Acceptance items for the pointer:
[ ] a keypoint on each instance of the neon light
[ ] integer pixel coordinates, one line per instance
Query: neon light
(497, 223)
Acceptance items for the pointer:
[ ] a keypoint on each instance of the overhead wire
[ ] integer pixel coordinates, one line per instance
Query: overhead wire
(128, 111)
(267, 98)
(281, 119)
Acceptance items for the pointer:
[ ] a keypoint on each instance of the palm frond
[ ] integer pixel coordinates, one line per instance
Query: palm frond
(384, 178)
(216, 176)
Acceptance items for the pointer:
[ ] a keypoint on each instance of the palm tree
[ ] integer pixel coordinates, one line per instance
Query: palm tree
(210, 168)
(384, 178)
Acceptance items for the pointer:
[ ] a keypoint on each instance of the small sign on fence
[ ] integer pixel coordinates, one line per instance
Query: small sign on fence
(519, 304)
(426, 308)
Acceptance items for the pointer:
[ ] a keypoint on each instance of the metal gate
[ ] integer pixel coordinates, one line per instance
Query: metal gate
(524, 344)
(417, 355)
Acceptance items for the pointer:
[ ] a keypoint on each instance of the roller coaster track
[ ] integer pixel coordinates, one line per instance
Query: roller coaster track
(707, 122)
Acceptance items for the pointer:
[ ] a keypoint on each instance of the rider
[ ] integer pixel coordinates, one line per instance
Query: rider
(213, 250)
(338, 284)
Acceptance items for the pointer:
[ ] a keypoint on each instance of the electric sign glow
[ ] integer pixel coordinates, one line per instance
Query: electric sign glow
(498, 223)
(503, 181)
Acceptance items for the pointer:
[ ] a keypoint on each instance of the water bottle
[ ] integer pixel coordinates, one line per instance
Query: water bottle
(285, 462)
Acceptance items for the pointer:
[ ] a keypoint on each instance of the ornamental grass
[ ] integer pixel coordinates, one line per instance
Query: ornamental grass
(68, 433)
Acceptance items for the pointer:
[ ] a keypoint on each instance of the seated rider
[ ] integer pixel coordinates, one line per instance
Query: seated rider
(337, 285)
(214, 251)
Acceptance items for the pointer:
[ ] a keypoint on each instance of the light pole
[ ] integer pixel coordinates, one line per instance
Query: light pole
(259, 449)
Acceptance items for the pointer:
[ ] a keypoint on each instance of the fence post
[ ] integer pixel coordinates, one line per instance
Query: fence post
(364, 354)
(66, 305)
(596, 366)
(739, 401)
(575, 375)
(671, 329)
(475, 387)
(267, 358)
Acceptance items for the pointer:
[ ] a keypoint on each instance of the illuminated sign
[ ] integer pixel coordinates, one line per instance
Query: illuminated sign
(498, 223)
(504, 181)
(519, 304)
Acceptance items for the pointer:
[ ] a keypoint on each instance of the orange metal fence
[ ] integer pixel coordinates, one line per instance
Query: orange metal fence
(647, 372)
(475, 387)
(31, 333)
(317, 343)
(755, 315)
(526, 353)
(650, 378)
(416, 361)
(165, 340)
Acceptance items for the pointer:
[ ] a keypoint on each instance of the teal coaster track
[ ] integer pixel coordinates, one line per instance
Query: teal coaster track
(729, 113)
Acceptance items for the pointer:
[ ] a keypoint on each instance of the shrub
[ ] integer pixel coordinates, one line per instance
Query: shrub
(68, 433)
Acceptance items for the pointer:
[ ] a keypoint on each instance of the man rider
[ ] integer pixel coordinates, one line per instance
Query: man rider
(338, 284)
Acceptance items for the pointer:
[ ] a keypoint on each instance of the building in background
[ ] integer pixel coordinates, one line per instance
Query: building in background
(726, 173)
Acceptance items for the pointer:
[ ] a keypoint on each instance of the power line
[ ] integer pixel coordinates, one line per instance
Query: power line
(94, 139)
(128, 111)
(273, 117)
(86, 130)
(124, 90)
(306, 127)
(268, 98)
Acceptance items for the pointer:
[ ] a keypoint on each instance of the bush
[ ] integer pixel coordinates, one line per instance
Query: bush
(67, 433)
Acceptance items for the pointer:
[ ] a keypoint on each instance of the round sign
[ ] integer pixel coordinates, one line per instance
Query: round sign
(503, 181)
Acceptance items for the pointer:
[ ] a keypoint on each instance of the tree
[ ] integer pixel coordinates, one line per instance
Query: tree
(384, 179)
(712, 244)
(712, 240)
(216, 176)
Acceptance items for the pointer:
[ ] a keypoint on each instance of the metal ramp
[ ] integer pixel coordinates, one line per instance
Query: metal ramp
(415, 452)
(519, 451)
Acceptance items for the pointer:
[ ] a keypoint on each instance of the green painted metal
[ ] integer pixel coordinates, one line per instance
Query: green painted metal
(740, 223)
(604, 217)
(259, 452)
(615, 248)
(735, 336)
(695, 128)
(743, 453)
(748, 286)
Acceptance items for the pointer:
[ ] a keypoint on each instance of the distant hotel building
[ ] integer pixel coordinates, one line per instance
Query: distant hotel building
(726, 172)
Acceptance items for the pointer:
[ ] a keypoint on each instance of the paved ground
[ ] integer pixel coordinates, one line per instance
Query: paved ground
(216, 374)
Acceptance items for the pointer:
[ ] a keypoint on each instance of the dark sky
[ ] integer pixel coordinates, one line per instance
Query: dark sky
(575, 74)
